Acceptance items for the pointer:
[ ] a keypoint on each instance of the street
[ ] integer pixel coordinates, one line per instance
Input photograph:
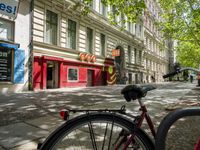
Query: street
(28, 117)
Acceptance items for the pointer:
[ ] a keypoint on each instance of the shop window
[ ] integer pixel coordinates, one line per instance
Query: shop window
(6, 57)
(89, 42)
(103, 44)
(6, 30)
(71, 34)
(51, 27)
(72, 74)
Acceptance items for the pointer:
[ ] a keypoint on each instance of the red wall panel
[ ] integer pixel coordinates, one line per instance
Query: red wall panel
(37, 75)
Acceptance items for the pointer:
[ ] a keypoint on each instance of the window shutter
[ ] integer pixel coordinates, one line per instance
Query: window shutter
(19, 58)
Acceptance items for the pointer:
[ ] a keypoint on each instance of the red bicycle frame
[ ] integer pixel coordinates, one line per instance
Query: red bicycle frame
(142, 116)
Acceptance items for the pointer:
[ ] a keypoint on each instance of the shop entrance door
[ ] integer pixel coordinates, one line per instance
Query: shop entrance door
(104, 78)
(52, 74)
(90, 77)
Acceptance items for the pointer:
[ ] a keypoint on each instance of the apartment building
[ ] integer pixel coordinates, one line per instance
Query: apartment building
(50, 45)
(74, 50)
(156, 54)
(14, 45)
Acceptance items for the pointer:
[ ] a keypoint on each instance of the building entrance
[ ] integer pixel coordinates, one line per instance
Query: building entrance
(90, 77)
(120, 66)
(52, 74)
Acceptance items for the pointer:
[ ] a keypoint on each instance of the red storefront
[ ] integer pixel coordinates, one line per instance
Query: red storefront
(53, 72)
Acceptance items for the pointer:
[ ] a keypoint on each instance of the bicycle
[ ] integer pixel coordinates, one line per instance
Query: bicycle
(106, 129)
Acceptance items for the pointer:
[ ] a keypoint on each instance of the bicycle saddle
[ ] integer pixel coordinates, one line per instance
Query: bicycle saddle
(136, 91)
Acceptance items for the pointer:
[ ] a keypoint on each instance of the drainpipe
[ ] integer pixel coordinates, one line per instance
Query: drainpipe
(31, 59)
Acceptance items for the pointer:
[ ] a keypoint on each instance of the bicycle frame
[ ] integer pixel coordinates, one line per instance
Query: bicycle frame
(144, 115)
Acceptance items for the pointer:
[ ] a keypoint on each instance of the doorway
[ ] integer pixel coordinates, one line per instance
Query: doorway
(90, 74)
(130, 79)
(120, 65)
(104, 78)
(52, 74)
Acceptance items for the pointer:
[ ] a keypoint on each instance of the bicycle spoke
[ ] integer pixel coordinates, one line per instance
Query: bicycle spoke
(104, 136)
(110, 135)
(92, 136)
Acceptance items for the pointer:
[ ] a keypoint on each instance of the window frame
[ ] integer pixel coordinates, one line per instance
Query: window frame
(58, 26)
(129, 54)
(76, 68)
(12, 30)
(88, 50)
(102, 51)
(76, 36)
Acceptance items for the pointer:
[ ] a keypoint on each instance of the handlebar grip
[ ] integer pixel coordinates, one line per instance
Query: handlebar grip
(170, 74)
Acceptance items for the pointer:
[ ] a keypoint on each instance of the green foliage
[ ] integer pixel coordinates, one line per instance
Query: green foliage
(188, 54)
(132, 9)
(182, 23)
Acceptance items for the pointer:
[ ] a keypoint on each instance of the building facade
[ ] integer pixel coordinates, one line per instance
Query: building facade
(156, 54)
(74, 50)
(50, 45)
(14, 45)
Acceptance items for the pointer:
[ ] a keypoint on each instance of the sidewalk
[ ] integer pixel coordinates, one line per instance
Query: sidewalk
(29, 117)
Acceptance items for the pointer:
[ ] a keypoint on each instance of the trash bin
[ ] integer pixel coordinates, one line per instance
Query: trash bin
(198, 78)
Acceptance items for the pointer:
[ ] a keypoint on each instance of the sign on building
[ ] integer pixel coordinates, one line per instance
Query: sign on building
(115, 52)
(9, 8)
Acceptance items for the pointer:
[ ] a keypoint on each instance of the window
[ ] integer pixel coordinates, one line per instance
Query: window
(6, 30)
(114, 11)
(129, 54)
(72, 74)
(89, 42)
(71, 34)
(135, 55)
(129, 26)
(140, 57)
(5, 64)
(140, 30)
(51, 27)
(122, 20)
(103, 44)
(103, 9)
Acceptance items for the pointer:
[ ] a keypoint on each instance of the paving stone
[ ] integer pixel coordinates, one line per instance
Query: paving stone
(48, 122)
(19, 134)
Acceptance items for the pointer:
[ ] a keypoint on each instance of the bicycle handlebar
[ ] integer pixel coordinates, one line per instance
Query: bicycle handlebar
(168, 121)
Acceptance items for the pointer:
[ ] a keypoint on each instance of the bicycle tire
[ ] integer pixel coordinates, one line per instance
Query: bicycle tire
(100, 117)
(168, 121)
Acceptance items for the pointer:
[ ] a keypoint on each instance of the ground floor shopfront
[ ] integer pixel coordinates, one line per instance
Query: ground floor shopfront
(12, 70)
(53, 72)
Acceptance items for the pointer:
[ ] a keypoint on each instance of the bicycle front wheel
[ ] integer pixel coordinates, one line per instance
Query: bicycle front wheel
(97, 131)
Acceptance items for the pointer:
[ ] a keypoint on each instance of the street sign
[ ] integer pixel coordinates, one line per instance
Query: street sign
(9, 8)
(115, 52)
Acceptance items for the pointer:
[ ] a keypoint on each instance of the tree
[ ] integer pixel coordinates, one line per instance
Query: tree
(132, 9)
(181, 22)
(188, 54)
